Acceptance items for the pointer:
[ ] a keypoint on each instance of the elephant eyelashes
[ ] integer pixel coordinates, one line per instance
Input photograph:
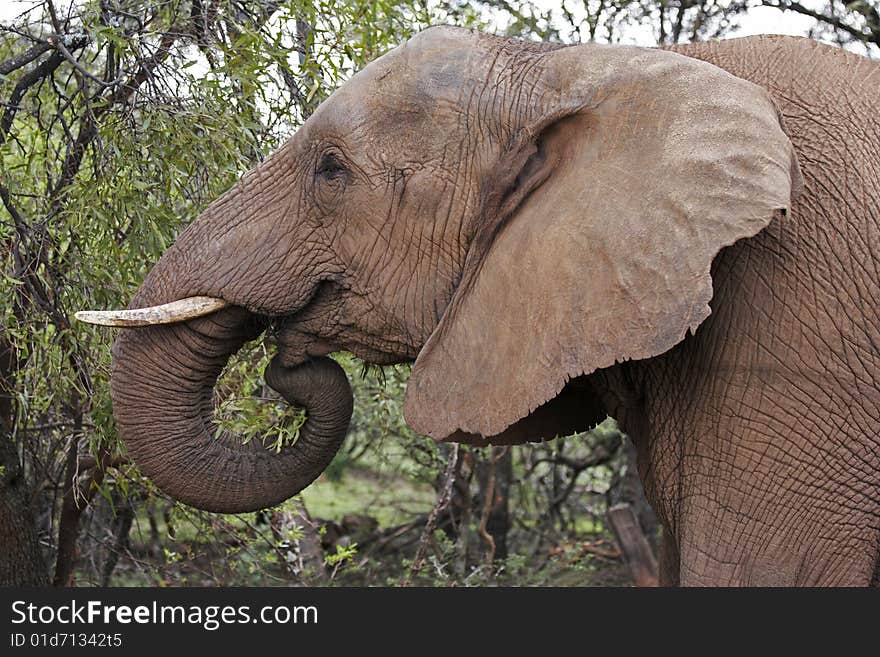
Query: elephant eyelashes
(330, 167)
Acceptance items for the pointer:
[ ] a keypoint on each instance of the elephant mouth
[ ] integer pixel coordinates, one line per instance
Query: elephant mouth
(297, 343)
(319, 327)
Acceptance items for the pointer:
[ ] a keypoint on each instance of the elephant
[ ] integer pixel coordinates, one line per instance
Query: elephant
(685, 238)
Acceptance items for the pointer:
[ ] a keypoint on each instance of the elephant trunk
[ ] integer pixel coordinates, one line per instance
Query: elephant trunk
(162, 386)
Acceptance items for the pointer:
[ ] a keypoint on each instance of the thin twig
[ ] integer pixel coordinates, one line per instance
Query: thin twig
(489, 502)
(60, 47)
(442, 504)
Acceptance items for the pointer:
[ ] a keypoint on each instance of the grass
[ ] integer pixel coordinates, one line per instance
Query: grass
(391, 499)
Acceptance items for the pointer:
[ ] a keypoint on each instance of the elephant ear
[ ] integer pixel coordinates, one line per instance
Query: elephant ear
(636, 169)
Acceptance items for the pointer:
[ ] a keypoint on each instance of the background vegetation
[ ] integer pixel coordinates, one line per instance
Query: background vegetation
(119, 121)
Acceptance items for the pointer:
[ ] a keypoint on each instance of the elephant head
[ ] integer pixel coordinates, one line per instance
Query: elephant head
(508, 214)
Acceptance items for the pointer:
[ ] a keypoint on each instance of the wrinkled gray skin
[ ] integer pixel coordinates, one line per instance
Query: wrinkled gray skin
(795, 496)
(389, 210)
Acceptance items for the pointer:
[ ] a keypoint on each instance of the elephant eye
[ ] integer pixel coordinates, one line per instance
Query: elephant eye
(330, 167)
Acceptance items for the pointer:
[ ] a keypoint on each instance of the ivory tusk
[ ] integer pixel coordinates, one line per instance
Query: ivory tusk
(167, 313)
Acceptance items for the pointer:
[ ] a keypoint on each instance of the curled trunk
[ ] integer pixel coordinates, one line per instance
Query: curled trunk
(162, 387)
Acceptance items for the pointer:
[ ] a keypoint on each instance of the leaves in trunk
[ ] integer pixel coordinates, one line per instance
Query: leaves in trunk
(247, 407)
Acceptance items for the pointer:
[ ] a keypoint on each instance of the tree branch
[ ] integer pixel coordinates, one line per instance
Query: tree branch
(24, 58)
(872, 36)
(440, 507)
(89, 129)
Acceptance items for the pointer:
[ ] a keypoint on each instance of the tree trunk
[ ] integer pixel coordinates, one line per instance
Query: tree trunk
(121, 527)
(21, 559)
(494, 475)
(636, 551)
(627, 489)
(304, 556)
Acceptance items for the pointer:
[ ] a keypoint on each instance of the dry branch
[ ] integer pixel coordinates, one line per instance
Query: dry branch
(441, 506)
(635, 547)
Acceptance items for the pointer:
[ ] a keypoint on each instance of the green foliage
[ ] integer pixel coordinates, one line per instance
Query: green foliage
(217, 104)
(155, 111)
(107, 155)
(342, 555)
(374, 486)
(248, 409)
